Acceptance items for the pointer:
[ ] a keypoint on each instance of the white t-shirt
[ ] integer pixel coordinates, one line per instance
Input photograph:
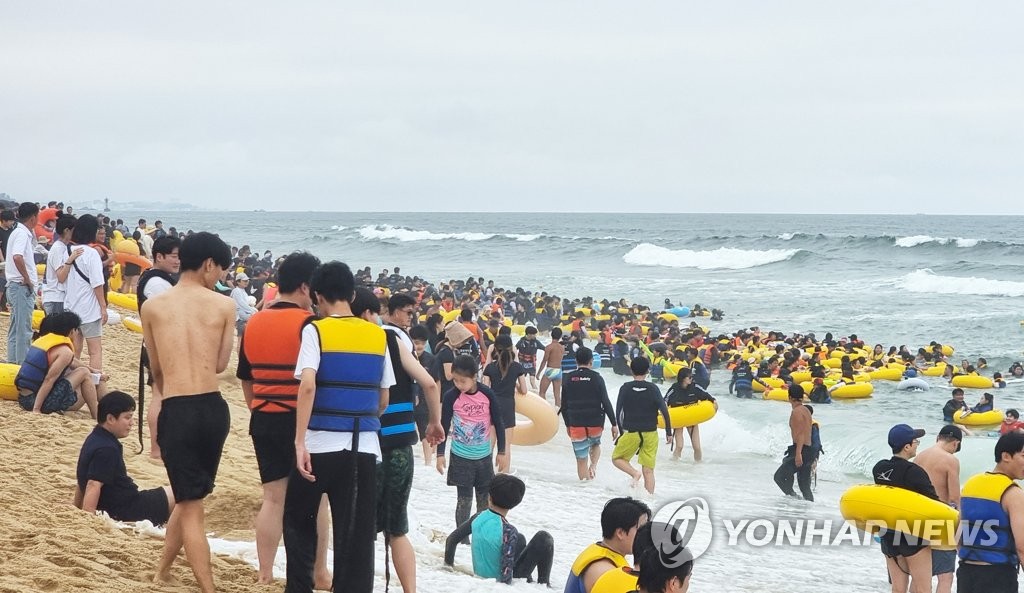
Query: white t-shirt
(23, 243)
(326, 441)
(155, 286)
(53, 290)
(78, 294)
(402, 336)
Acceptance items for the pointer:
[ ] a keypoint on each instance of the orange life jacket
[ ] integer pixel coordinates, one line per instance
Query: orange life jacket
(271, 344)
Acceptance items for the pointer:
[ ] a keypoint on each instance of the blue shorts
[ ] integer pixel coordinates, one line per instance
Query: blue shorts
(943, 562)
(61, 397)
(583, 438)
(553, 374)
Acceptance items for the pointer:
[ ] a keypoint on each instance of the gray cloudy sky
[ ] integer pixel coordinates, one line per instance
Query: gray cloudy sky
(653, 106)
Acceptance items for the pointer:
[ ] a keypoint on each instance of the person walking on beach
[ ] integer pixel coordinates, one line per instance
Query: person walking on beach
(685, 392)
(800, 456)
(189, 332)
(527, 348)
(987, 564)
(550, 368)
(943, 468)
(585, 405)
(22, 280)
(636, 413)
(266, 368)
(345, 371)
(156, 280)
(907, 558)
(398, 432)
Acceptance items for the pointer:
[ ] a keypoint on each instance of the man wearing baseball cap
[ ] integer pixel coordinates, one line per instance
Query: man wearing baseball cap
(906, 557)
(943, 469)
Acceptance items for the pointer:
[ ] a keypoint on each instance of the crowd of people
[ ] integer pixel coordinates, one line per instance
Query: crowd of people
(345, 372)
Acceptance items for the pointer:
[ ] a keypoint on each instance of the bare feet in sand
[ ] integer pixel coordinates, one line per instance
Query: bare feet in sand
(592, 472)
(166, 579)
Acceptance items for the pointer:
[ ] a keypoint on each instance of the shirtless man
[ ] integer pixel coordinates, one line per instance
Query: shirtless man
(800, 455)
(550, 368)
(943, 469)
(189, 333)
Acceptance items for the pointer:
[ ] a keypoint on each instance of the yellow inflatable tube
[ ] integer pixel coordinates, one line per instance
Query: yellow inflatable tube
(832, 363)
(668, 317)
(887, 374)
(542, 423)
(935, 371)
(125, 301)
(451, 316)
(7, 374)
(871, 507)
(801, 376)
(769, 381)
(132, 324)
(972, 382)
(691, 415)
(855, 391)
(978, 418)
(781, 394)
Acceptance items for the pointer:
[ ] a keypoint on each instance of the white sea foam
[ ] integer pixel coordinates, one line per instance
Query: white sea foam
(386, 232)
(787, 236)
(338, 227)
(723, 258)
(916, 240)
(927, 281)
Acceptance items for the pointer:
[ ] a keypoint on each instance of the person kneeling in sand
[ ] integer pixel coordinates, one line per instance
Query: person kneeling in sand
(499, 551)
(103, 481)
(51, 379)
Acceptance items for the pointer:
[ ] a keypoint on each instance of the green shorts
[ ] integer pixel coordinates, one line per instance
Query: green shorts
(394, 483)
(644, 443)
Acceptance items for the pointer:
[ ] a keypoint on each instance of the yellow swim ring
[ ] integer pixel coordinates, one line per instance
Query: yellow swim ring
(972, 382)
(780, 394)
(132, 324)
(7, 374)
(855, 391)
(935, 371)
(690, 415)
(541, 424)
(887, 374)
(769, 381)
(125, 301)
(872, 506)
(978, 418)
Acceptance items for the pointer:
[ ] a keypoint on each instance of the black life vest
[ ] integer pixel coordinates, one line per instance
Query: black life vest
(149, 275)
(397, 423)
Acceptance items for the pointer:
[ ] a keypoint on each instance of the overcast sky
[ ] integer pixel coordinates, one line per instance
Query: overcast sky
(653, 106)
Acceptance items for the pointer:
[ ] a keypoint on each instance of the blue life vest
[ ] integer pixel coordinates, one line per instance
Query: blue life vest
(37, 362)
(348, 381)
(743, 380)
(980, 502)
(397, 423)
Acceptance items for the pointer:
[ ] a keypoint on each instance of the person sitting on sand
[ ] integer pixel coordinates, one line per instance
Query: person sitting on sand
(51, 379)
(499, 551)
(103, 481)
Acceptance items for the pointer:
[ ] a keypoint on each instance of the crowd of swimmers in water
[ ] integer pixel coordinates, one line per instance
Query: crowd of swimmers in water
(466, 369)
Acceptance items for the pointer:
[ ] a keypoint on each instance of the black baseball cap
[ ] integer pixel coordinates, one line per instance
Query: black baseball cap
(953, 432)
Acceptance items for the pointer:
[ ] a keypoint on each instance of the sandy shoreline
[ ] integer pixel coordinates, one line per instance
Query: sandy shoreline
(48, 545)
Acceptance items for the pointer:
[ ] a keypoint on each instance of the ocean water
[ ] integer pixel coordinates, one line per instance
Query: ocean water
(890, 279)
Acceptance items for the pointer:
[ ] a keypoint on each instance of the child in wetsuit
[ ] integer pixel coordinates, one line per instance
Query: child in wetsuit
(527, 348)
(470, 415)
(499, 551)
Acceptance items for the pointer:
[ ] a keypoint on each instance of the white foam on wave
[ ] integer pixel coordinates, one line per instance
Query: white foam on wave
(723, 258)
(338, 227)
(386, 232)
(927, 281)
(916, 240)
(787, 236)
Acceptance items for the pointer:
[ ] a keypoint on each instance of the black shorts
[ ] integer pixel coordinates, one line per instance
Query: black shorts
(273, 438)
(394, 483)
(422, 416)
(149, 505)
(980, 578)
(60, 399)
(470, 473)
(191, 431)
(507, 405)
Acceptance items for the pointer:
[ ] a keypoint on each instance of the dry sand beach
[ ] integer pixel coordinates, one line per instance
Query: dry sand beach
(49, 545)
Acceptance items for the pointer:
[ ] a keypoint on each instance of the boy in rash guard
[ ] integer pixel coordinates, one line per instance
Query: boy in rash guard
(470, 414)
(585, 405)
(527, 347)
(636, 411)
(499, 551)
